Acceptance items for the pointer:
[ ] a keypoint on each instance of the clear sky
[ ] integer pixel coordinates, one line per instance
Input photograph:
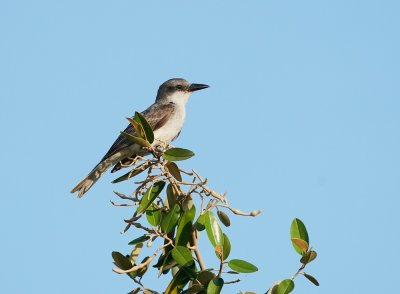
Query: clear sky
(301, 120)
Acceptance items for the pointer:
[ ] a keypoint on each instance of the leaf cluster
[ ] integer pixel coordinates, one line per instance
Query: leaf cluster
(300, 242)
(171, 214)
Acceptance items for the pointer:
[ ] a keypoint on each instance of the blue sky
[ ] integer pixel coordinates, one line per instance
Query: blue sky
(301, 120)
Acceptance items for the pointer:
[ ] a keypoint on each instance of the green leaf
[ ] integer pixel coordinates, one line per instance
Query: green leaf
(135, 253)
(273, 289)
(300, 244)
(190, 270)
(182, 255)
(171, 196)
(224, 218)
(146, 127)
(308, 257)
(165, 262)
(194, 289)
(284, 287)
(213, 229)
(122, 178)
(187, 203)
(176, 154)
(139, 132)
(135, 291)
(219, 251)
(178, 282)
(171, 218)
(153, 215)
(311, 279)
(201, 222)
(174, 170)
(204, 277)
(226, 247)
(298, 231)
(121, 260)
(142, 271)
(184, 230)
(149, 196)
(132, 173)
(242, 266)
(215, 286)
(136, 140)
(141, 239)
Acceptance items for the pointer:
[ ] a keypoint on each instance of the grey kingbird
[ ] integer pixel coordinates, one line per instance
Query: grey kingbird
(165, 116)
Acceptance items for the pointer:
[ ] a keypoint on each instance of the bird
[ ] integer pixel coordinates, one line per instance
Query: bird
(165, 116)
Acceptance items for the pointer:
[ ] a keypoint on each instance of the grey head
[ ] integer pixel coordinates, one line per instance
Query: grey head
(177, 90)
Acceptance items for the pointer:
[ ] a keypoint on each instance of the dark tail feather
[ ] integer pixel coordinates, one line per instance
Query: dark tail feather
(89, 181)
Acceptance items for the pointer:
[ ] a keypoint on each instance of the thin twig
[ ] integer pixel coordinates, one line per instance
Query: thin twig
(197, 174)
(122, 196)
(139, 226)
(142, 265)
(186, 172)
(232, 282)
(239, 212)
(192, 184)
(298, 272)
(121, 204)
(208, 191)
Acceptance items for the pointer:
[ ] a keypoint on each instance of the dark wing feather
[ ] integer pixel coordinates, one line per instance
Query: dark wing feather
(156, 115)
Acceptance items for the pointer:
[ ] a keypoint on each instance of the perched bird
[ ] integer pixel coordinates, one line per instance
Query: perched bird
(165, 116)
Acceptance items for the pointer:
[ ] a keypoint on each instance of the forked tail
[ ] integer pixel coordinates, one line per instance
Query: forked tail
(91, 178)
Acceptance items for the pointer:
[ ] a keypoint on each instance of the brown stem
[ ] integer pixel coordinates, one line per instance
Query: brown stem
(142, 265)
(232, 282)
(196, 250)
(298, 272)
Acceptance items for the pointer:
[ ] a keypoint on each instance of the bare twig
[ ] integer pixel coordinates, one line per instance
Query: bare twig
(143, 264)
(239, 212)
(197, 174)
(232, 282)
(210, 192)
(139, 226)
(135, 268)
(299, 271)
(186, 172)
(122, 196)
(121, 204)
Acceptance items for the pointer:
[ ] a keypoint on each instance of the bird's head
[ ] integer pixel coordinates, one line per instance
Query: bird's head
(177, 91)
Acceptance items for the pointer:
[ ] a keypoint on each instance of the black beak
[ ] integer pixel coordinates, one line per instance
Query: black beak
(196, 87)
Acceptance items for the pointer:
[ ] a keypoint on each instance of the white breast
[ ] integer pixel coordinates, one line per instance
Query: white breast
(172, 128)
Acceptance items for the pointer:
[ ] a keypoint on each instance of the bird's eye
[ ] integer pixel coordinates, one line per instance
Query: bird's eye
(179, 87)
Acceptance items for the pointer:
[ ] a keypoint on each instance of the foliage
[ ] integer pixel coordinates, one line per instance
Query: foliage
(172, 212)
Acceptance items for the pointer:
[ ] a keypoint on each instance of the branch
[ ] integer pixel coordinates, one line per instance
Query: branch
(142, 265)
(197, 251)
(232, 282)
(298, 272)
(239, 212)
